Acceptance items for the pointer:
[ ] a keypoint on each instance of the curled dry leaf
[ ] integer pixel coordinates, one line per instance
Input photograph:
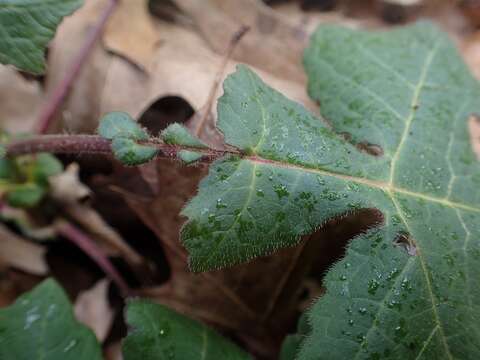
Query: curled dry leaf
(182, 66)
(67, 187)
(27, 223)
(273, 43)
(129, 23)
(93, 310)
(22, 254)
(20, 101)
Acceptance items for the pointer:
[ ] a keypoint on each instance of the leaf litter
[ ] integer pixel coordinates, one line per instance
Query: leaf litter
(182, 58)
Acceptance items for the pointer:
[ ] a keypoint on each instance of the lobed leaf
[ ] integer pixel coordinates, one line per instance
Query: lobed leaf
(25, 195)
(125, 134)
(252, 205)
(407, 288)
(176, 134)
(161, 333)
(409, 92)
(41, 325)
(130, 153)
(26, 28)
(189, 157)
(119, 124)
(24, 179)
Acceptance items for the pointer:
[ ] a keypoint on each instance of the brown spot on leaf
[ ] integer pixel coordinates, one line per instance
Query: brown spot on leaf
(371, 149)
(406, 242)
(474, 129)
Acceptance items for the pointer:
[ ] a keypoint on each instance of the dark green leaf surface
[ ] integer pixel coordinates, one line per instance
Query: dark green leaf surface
(409, 92)
(125, 133)
(43, 166)
(26, 28)
(177, 134)
(292, 343)
(189, 157)
(41, 325)
(119, 124)
(407, 289)
(25, 195)
(25, 178)
(254, 205)
(130, 153)
(162, 334)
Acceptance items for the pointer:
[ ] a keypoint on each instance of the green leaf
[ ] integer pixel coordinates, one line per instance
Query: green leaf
(7, 168)
(160, 333)
(125, 134)
(45, 165)
(120, 124)
(292, 343)
(25, 195)
(408, 288)
(130, 153)
(26, 28)
(189, 157)
(176, 134)
(41, 325)
(291, 346)
(418, 299)
(251, 206)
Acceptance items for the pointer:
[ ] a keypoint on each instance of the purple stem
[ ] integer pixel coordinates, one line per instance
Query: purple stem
(88, 246)
(78, 144)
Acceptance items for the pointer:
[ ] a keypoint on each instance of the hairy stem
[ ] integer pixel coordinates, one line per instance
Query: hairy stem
(61, 91)
(94, 144)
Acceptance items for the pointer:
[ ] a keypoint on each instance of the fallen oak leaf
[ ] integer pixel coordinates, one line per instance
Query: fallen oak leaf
(130, 22)
(93, 310)
(22, 254)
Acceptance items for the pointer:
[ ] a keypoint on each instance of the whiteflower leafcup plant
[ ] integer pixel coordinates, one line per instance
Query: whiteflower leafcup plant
(408, 288)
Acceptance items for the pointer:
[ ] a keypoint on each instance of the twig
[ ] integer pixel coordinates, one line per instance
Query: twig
(94, 144)
(61, 91)
(218, 77)
(87, 245)
(59, 144)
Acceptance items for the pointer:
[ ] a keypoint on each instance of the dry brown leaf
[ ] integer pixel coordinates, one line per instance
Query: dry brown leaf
(183, 66)
(20, 101)
(22, 254)
(67, 187)
(273, 44)
(109, 239)
(474, 128)
(80, 112)
(28, 223)
(131, 33)
(92, 309)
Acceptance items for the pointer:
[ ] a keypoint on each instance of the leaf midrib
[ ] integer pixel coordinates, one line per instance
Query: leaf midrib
(426, 274)
(382, 185)
(413, 109)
